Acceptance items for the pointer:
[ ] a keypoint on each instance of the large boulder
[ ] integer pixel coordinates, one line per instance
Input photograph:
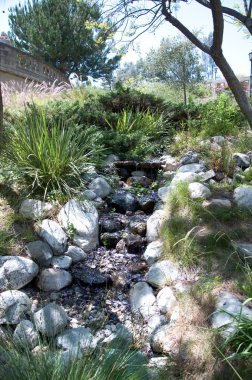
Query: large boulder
(198, 191)
(50, 320)
(228, 311)
(163, 273)
(142, 299)
(100, 187)
(153, 251)
(162, 340)
(40, 252)
(83, 216)
(189, 158)
(242, 160)
(53, 279)
(243, 196)
(217, 203)
(54, 235)
(16, 272)
(154, 224)
(14, 305)
(163, 193)
(26, 334)
(76, 340)
(35, 209)
(245, 251)
(169, 163)
(184, 177)
(62, 262)
(166, 300)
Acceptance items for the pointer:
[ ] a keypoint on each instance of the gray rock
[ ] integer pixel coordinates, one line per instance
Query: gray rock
(14, 305)
(77, 340)
(62, 262)
(163, 193)
(205, 176)
(53, 279)
(110, 239)
(163, 273)
(84, 218)
(77, 254)
(50, 320)
(124, 201)
(155, 322)
(89, 195)
(91, 277)
(169, 163)
(111, 224)
(137, 224)
(198, 191)
(147, 202)
(100, 187)
(217, 203)
(161, 340)
(184, 177)
(153, 252)
(243, 196)
(134, 243)
(154, 224)
(54, 235)
(189, 158)
(166, 300)
(40, 252)
(35, 209)
(218, 140)
(192, 168)
(142, 299)
(16, 272)
(121, 335)
(26, 334)
(242, 160)
(245, 251)
(228, 304)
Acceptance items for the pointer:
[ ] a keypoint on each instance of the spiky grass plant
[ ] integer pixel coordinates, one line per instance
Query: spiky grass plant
(50, 158)
(117, 363)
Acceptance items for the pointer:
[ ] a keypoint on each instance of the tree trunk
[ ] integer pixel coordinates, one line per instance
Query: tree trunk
(184, 91)
(234, 85)
(1, 113)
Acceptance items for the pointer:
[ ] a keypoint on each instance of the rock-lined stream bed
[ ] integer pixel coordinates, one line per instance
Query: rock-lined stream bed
(98, 270)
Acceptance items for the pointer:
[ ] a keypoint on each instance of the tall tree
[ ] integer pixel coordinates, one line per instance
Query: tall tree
(71, 35)
(160, 10)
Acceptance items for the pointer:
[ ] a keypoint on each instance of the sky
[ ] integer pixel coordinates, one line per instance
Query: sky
(235, 46)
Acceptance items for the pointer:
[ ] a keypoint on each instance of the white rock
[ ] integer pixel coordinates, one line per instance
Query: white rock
(154, 224)
(53, 279)
(54, 235)
(62, 262)
(100, 187)
(155, 321)
(243, 196)
(207, 175)
(35, 209)
(16, 272)
(76, 253)
(166, 300)
(192, 168)
(76, 340)
(153, 252)
(161, 340)
(218, 140)
(50, 320)
(163, 273)
(169, 163)
(163, 193)
(84, 218)
(197, 190)
(184, 177)
(142, 299)
(217, 203)
(26, 334)
(228, 304)
(14, 305)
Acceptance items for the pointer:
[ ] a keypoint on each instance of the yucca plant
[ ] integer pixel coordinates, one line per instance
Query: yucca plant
(50, 158)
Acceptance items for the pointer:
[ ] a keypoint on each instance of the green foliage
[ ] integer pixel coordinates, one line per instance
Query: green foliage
(77, 38)
(50, 159)
(221, 117)
(245, 283)
(6, 242)
(71, 231)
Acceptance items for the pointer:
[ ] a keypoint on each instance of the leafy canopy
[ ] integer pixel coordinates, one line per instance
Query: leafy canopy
(71, 35)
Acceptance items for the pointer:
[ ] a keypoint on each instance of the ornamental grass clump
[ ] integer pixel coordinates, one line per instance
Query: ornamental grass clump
(50, 158)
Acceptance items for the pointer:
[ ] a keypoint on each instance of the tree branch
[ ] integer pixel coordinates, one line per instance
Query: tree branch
(218, 25)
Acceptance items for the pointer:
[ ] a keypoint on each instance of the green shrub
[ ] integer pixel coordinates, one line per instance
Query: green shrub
(50, 158)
